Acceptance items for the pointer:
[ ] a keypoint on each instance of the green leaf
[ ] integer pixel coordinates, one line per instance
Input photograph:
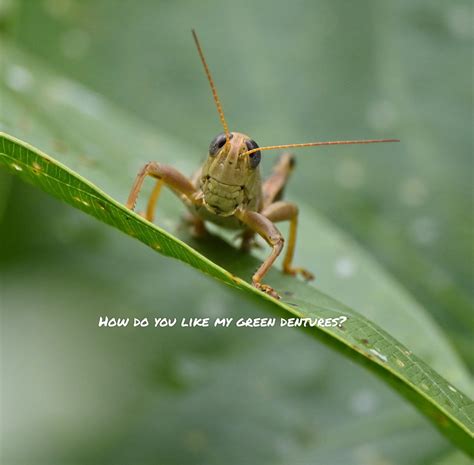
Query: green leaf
(358, 338)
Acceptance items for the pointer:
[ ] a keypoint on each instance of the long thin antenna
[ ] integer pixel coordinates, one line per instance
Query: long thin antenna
(213, 87)
(314, 144)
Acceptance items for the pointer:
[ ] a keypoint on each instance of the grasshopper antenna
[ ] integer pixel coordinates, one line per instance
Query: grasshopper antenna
(213, 87)
(315, 144)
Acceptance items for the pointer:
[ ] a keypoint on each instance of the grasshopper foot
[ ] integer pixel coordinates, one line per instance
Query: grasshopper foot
(307, 275)
(267, 289)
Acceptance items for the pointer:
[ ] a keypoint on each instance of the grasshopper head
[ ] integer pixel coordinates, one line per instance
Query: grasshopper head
(228, 163)
(230, 176)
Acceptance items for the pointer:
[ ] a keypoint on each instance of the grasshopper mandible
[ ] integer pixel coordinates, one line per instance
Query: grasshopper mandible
(228, 190)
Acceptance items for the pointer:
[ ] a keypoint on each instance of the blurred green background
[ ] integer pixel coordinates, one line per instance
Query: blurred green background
(309, 70)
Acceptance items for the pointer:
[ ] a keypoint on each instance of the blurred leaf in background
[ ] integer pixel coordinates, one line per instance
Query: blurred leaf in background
(315, 70)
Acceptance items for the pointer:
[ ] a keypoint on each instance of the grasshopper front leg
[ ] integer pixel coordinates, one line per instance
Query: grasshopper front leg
(272, 190)
(265, 228)
(169, 176)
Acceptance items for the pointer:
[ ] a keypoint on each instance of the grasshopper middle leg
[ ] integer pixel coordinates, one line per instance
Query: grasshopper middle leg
(276, 210)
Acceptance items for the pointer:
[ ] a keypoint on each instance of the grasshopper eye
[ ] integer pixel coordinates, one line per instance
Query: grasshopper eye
(217, 143)
(254, 157)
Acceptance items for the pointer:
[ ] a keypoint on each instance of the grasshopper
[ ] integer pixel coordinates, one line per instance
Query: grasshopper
(228, 190)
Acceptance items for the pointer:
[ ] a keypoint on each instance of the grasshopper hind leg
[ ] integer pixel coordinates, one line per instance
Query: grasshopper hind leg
(274, 186)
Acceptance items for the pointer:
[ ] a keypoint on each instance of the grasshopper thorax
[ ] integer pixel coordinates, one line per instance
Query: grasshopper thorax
(230, 177)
